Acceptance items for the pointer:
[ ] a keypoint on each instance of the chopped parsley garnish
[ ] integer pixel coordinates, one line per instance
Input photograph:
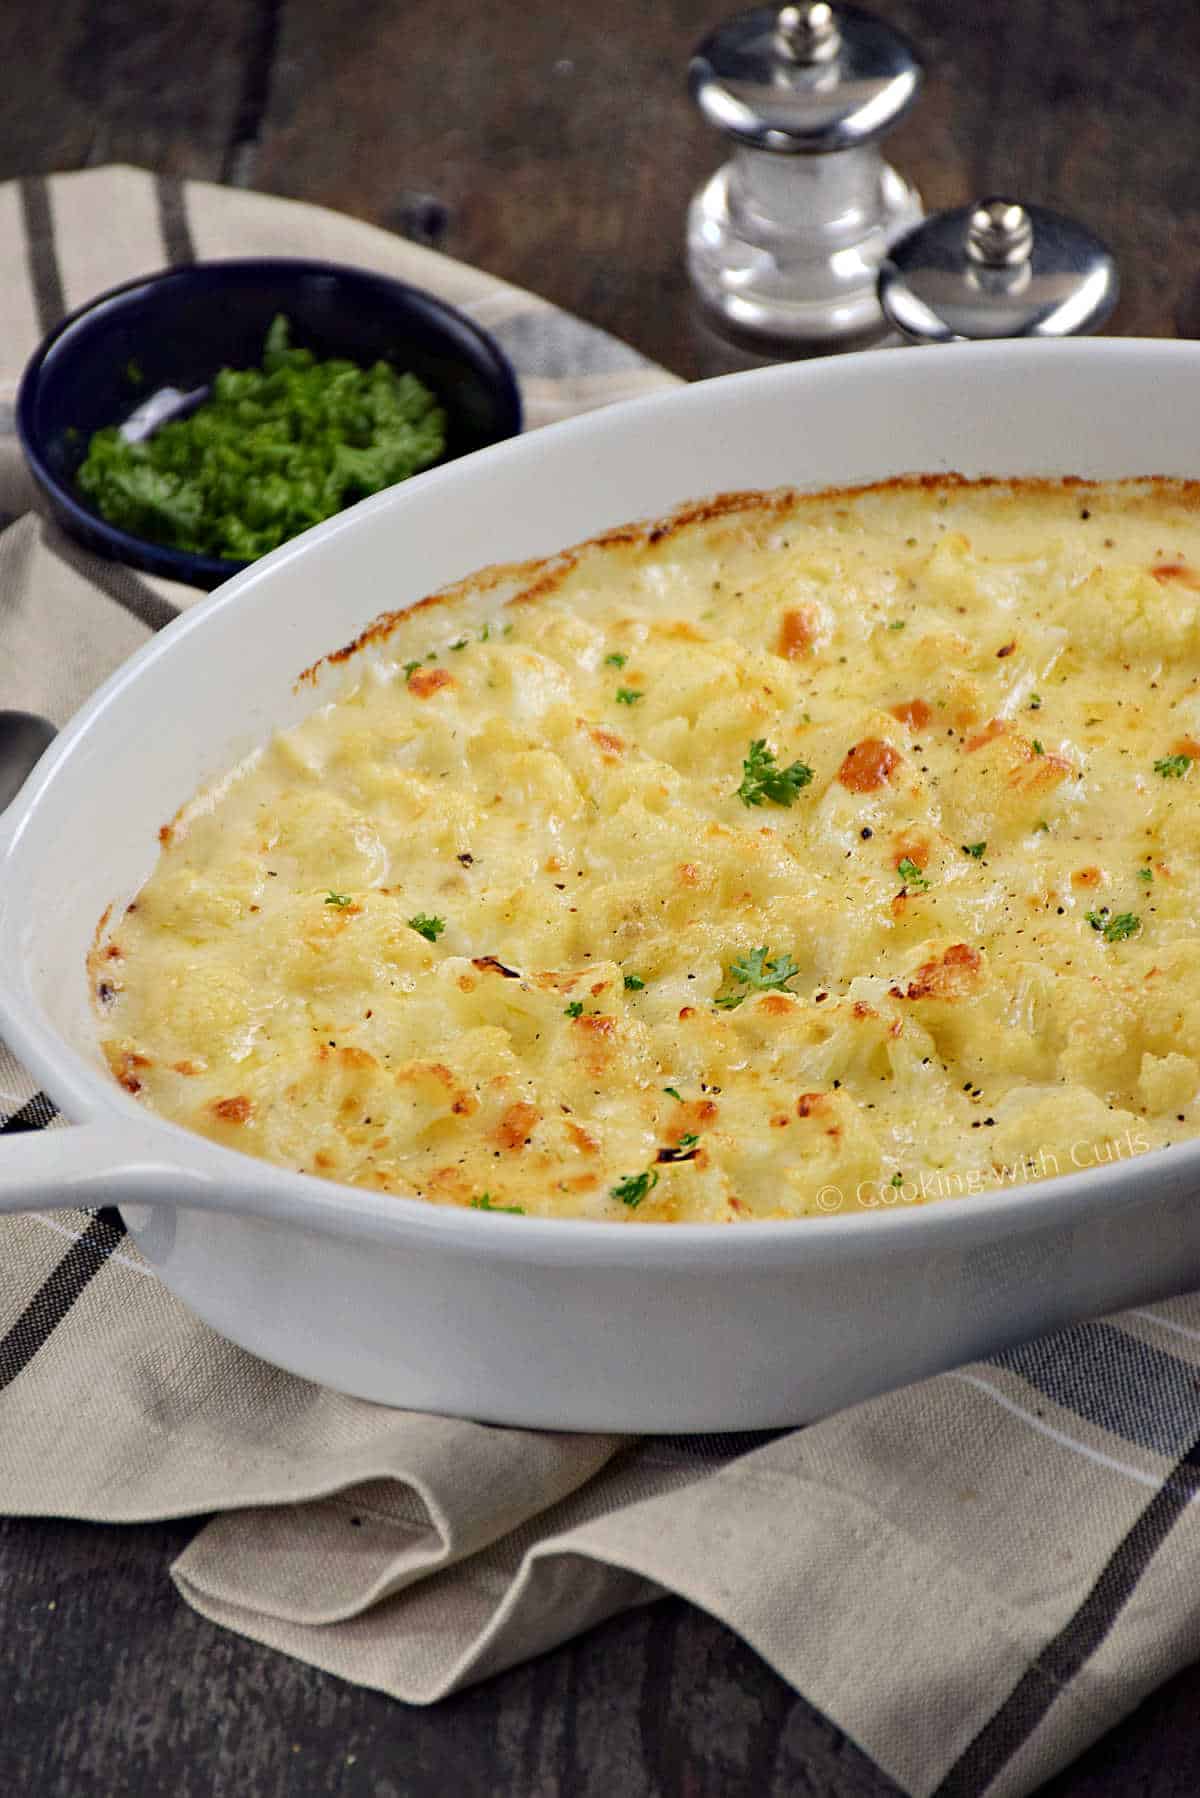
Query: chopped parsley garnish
(897, 1178)
(913, 877)
(634, 983)
(1035, 702)
(338, 899)
(1146, 874)
(574, 1009)
(674, 1092)
(688, 1141)
(758, 974)
(410, 668)
(633, 1189)
(1114, 930)
(1173, 767)
(430, 928)
(615, 660)
(629, 695)
(763, 779)
(975, 850)
(897, 624)
(272, 450)
(484, 1203)
(461, 644)
(1037, 748)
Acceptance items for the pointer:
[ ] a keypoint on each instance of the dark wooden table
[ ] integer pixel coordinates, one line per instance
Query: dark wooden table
(552, 145)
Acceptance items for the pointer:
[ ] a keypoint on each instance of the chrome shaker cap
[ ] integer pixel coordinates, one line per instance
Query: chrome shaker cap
(805, 79)
(997, 269)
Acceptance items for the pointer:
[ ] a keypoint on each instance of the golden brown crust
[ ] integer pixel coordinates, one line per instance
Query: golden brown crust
(237, 1110)
(868, 765)
(425, 682)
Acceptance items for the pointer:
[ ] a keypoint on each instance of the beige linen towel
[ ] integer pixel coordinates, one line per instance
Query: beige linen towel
(973, 1578)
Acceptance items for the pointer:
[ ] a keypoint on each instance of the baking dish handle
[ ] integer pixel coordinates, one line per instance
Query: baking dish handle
(86, 1165)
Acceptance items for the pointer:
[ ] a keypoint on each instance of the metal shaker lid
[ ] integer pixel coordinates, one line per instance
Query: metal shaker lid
(997, 269)
(805, 79)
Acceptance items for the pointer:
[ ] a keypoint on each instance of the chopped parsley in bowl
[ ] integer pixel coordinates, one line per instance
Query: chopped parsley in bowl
(274, 450)
(162, 388)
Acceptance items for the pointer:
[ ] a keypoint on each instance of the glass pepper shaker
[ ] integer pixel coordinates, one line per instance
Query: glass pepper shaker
(785, 241)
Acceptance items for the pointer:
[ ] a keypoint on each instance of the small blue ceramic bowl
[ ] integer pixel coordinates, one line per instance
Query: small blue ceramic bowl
(178, 328)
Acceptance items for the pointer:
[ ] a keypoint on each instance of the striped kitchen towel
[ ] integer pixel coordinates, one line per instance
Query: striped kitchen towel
(974, 1578)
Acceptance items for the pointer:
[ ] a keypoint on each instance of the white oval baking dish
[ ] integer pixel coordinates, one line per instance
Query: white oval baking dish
(561, 1324)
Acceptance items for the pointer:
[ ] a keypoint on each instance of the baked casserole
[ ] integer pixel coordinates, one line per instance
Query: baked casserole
(796, 854)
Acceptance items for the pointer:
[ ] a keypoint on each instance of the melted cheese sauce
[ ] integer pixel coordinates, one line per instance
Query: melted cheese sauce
(980, 912)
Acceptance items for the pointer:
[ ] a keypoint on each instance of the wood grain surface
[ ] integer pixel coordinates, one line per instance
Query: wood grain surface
(553, 145)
